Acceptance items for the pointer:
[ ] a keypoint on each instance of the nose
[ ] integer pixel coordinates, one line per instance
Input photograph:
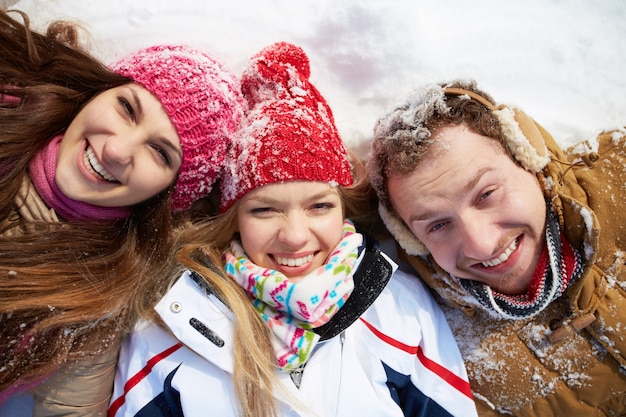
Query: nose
(294, 231)
(479, 236)
(119, 149)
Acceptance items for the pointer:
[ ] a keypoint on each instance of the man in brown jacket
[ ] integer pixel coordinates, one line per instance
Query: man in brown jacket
(523, 242)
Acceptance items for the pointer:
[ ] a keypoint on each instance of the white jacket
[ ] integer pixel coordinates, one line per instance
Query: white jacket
(398, 358)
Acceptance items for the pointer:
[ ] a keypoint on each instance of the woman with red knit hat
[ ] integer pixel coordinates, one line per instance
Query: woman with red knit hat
(93, 162)
(308, 316)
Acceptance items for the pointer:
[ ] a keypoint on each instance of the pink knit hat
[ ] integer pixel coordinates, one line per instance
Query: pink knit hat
(289, 133)
(203, 102)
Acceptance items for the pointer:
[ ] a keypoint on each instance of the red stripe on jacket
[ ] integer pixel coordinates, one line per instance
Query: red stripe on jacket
(450, 377)
(139, 376)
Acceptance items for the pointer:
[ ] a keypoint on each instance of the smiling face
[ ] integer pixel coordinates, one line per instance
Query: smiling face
(481, 216)
(291, 227)
(121, 149)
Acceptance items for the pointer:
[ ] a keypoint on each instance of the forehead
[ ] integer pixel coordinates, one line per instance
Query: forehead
(460, 143)
(404, 157)
(291, 191)
(455, 158)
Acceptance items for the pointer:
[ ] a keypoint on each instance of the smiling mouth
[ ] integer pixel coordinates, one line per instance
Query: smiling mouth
(293, 261)
(92, 162)
(503, 257)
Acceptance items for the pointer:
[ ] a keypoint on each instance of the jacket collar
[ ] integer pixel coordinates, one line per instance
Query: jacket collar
(199, 320)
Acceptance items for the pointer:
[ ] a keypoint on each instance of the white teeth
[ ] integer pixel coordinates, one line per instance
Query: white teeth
(503, 257)
(91, 161)
(294, 261)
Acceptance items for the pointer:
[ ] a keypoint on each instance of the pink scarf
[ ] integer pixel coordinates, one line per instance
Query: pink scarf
(42, 171)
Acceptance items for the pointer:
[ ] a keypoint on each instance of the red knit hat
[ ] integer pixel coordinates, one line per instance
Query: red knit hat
(289, 133)
(203, 102)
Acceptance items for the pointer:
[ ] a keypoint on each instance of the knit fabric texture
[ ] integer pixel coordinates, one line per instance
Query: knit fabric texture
(289, 134)
(204, 103)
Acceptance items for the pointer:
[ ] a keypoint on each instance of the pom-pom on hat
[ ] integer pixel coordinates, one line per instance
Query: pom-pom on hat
(204, 103)
(289, 134)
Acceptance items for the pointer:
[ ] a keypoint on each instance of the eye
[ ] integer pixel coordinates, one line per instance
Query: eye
(436, 227)
(484, 195)
(322, 206)
(128, 108)
(262, 211)
(164, 155)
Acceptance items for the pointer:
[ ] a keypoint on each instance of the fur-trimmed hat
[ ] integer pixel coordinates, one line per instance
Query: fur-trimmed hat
(204, 103)
(394, 133)
(289, 133)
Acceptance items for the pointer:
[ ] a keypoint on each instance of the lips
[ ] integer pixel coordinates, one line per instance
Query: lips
(503, 256)
(91, 162)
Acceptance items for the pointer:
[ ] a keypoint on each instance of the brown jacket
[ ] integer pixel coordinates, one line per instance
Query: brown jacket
(569, 360)
(80, 389)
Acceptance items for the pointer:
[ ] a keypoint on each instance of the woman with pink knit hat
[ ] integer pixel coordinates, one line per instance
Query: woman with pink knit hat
(94, 161)
(307, 317)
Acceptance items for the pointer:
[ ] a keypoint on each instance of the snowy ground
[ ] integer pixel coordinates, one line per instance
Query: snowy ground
(563, 62)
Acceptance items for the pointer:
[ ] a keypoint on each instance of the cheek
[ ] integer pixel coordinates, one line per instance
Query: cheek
(167, 180)
(526, 205)
(332, 231)
(95, 115)
(66, 152)
(253, 238)
(444, 254)
(151, 183)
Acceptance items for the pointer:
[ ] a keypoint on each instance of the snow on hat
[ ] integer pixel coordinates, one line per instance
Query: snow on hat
(289, 133)
(203, 102)
(394, 132)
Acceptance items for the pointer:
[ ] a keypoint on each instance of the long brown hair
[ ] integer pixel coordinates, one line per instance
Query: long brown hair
(66, 289)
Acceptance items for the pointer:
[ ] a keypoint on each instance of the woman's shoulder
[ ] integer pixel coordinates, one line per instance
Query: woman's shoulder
(404, 285)
(406, 293)
(405, 303)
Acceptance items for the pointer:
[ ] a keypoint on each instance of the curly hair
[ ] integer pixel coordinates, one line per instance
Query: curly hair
(404, 136)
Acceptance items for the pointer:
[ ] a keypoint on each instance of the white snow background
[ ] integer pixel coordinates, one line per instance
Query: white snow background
(563, 62)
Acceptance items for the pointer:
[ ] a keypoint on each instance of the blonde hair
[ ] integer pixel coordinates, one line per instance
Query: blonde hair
(199, 246)
(255, 363)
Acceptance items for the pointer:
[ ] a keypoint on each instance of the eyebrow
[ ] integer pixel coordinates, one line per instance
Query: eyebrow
(470, 185)
(271, 200)
(164, 141)
(137, 101)
(168, 144)
(474, 180)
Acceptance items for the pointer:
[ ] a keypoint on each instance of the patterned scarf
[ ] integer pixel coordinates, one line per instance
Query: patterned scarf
(292, 309)
(560, 265)
(42, 171)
